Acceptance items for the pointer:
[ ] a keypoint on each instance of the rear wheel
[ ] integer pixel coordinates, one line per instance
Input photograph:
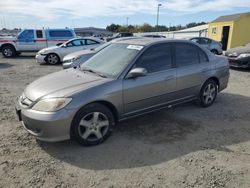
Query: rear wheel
(92, 125)
(208, 93)
(52, 59)
(8, 51)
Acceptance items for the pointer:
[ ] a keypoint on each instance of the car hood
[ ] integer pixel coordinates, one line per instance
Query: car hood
(62, 84)
(48, 49)
(7, 38)
(239, 50)
(77, 54)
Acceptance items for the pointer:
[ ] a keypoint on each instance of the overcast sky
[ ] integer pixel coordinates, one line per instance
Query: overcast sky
(100, 13)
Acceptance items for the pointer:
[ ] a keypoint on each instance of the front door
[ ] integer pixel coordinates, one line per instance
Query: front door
(26, 41)
(73, 46)
(157, 87)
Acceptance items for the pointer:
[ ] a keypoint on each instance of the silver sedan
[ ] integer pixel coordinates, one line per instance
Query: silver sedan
(126, 79)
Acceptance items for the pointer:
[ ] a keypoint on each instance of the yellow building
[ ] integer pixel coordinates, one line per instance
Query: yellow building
(231, 30)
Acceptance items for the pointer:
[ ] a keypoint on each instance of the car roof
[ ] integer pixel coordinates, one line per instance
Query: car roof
(143, 41)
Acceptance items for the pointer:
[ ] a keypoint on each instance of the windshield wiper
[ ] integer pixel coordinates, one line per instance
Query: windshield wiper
(97, 73)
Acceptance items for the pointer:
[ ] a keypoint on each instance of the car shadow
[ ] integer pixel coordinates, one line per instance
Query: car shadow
(240, 69)
(5, 65)
(162, 136)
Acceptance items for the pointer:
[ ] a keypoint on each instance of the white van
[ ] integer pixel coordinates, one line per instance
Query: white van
(33, 40)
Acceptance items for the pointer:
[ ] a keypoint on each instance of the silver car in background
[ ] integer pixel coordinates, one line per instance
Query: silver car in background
(77, 58)
(126, 79)
(212, 45)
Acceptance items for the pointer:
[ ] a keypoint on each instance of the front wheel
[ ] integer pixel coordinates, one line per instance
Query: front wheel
(92, 124)
(52, 59)
(8, 51)
(208, 93)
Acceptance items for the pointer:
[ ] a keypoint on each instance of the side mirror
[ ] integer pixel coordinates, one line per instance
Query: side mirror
(137, 72)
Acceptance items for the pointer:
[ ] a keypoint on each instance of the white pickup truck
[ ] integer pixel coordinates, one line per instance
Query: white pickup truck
(32, 40)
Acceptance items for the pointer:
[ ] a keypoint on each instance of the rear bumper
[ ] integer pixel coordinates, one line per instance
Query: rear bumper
(233, 62)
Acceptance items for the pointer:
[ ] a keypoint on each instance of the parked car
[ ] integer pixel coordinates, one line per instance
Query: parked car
(120, 35)
(33, 40)
(239, 56)
(77, 58)
(214, 46)
(54, 55)
(154, 36)
(126, 79)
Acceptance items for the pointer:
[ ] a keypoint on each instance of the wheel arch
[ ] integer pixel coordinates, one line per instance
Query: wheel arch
(8, 44)
(107, 104)
(215, 79)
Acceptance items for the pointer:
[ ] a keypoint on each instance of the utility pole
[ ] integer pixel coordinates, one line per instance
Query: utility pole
(127, 18)
(158, 8)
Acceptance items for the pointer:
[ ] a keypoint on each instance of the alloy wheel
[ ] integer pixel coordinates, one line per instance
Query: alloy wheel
(93, 126)
(52, 59)
(8, 52)
(209, 93)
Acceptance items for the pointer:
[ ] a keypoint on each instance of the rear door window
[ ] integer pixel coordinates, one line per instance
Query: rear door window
(156, 58)
(91, 42)
(78, 42)
(39, 34)
(186, 54)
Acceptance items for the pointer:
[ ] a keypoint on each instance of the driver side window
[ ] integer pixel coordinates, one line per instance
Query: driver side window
(156, 58)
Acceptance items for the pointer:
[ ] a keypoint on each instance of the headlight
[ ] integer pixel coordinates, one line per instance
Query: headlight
(51, 104)
(244, 55)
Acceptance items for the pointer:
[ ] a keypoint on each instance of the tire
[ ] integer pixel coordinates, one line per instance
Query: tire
(214, 51)
(52, 59)
(208, 93)
(8, 51)
(92, 125)
(18, 53)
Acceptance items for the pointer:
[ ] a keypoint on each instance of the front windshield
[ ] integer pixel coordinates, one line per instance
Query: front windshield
(112, 60)
(102, 46)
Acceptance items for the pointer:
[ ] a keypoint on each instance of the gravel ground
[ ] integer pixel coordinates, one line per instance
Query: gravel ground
(186, 146)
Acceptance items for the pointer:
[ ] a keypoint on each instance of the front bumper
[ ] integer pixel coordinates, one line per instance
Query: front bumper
(40, 58)
(237, 63)
(46, 126)
(67, 64)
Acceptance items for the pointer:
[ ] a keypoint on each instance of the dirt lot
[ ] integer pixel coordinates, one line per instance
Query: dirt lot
(186, 146)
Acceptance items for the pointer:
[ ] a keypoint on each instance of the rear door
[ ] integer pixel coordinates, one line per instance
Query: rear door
(193, 68)
(40, 39)
(157, 86)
